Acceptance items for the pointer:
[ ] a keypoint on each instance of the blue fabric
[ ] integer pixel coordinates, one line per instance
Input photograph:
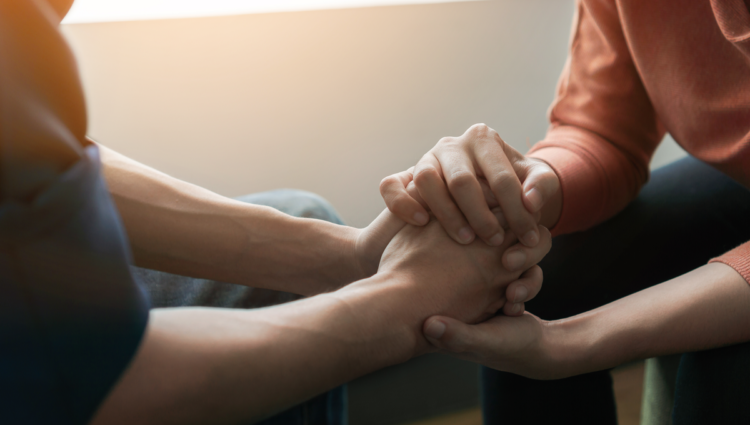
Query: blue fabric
(71, 316)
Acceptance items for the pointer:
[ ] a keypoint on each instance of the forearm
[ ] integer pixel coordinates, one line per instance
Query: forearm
(227, 366)
(181, 228)
(706, 308)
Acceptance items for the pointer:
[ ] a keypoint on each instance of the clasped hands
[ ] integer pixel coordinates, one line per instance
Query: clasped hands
(465, 202)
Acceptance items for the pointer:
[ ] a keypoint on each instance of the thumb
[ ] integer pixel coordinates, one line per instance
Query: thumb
(539, 185)
(382, 230)
(452, 335)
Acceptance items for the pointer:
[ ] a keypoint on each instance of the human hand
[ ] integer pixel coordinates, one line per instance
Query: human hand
(524, 345)
(370, 242)
(448, 180)
(464, 282)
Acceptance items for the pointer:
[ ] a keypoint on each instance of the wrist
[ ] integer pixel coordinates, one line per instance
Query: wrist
(589, 342)
(351, 263)
(389, 305)
(571, 345)
(334, 249)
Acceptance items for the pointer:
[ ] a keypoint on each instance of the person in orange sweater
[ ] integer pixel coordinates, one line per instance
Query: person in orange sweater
(627, 277)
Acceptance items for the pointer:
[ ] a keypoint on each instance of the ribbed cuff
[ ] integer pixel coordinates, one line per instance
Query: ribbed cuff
(581, 187)
(597, 181)
(738, 259)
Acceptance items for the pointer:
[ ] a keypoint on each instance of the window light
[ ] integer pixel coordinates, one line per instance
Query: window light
(132, 10)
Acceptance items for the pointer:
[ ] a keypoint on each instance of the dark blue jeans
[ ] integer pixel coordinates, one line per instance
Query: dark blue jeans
(688, 213)
(168, 290)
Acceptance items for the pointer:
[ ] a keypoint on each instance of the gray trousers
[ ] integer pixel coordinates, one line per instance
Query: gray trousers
(169, 290)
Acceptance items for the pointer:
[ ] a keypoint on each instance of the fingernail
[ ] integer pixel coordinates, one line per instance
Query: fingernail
(465, 235)
(420, 218)
(521, 294)
(435, 330)
(531, 238)
(535, 199)
(515, 260)
(515, 308)
(497, 240)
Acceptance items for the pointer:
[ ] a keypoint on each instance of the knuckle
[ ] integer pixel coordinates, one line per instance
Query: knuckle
(386, 184)
(504, 182)
(425, 175)
(445, 141)
(480, 129)
(461, 180)
(400, 204)
(486, 227)
(483, 131)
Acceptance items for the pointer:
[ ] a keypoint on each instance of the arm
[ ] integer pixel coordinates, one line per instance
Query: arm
(603, 127)
(224, 366)
(592, 162)
(703, 309)
(181, 228)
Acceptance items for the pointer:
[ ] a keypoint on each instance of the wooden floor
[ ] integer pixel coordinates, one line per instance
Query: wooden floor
(628, 385)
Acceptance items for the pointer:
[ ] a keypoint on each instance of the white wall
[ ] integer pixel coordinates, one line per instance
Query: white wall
(329, 101)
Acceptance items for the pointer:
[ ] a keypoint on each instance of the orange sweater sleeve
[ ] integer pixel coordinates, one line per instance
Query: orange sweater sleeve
(603, 128)
(738, 259)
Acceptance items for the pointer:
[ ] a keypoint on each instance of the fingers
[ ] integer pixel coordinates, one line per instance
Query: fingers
(465, 189)
(496, 160)
(398, 201)
(452, 335)
(489, 197)
(539, 185)
(412, 190)
(429, 181)
(520, 257)
(523, 290)
(385, 227)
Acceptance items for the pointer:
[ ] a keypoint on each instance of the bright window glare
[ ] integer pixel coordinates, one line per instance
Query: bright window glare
(133, 10)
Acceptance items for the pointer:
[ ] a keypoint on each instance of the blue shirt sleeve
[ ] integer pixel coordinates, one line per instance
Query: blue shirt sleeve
(71, 315)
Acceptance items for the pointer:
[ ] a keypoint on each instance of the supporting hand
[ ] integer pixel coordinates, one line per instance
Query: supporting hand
(464, 282)
(702, 309)
(512, 344)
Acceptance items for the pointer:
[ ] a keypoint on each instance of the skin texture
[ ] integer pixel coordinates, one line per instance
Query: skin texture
(181, 228)
(406, 192)
(199, 365)
(703, 309)
(449, 181)
(478, 185)
(229, 366)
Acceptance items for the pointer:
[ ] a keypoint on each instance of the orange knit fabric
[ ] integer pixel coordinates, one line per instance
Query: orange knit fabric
(636, 70)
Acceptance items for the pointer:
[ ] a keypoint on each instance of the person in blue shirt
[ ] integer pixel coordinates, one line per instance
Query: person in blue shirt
(79, 342)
